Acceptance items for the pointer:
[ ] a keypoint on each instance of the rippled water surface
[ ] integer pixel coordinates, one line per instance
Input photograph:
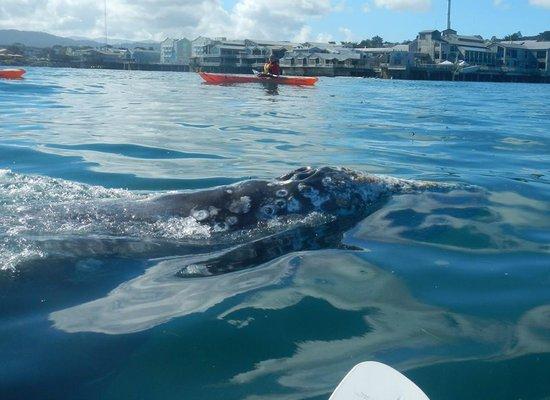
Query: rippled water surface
(449, 283)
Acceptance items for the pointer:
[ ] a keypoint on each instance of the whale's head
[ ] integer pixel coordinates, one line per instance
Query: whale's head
(337, 191)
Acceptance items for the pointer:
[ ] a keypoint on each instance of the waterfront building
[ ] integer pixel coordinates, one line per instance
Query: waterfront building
(102, 57)
(167, 51)
(199, 46)
(256, 52)
(398, 56)
(175, 51)
(183, 51)
(222, 55)
(526, 55)
(325, 59)
(436, 47)
(143, 56)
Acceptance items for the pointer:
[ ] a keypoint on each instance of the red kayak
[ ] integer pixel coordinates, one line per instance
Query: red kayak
(12, 73)
(221, 79)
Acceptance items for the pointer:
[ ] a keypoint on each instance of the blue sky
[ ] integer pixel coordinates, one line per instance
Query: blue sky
(476, 17)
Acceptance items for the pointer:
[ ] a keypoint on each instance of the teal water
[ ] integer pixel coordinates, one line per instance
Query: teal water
(451, 287)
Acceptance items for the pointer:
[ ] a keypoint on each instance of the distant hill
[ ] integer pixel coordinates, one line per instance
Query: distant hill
(129, 44)
(42, 39)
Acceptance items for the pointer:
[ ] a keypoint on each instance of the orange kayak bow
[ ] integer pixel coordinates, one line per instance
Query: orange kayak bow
(225, 79)
(12, 73)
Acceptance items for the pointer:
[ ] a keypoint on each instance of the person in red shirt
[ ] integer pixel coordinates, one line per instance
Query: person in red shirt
(272, 67)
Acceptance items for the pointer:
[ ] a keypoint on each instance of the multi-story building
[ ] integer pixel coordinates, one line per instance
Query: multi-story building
(326, 59)
(167, 51)
(175, 51)
(398, 56)
(526, 55)
(436, 47)
(183, 51)
(199, 46)
(220, 54)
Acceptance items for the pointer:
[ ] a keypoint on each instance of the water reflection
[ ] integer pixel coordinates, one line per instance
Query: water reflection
(271, 88)
(473, 221)
(158, 296)
(397, 328)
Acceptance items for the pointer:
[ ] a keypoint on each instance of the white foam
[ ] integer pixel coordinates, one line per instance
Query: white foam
(37, 207)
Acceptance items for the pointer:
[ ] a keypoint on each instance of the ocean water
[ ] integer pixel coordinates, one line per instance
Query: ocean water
(449, 284)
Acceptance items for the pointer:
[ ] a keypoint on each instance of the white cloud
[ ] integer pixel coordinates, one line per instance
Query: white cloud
(367, 8)
(540, 3)
(156, 19)
(401, 5)
(280, 19)
(324, 37)
(303, 35)
(347, 34)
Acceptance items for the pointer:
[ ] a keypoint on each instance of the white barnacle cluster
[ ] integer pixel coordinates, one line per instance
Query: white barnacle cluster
(327, 182)
(241, 205)
(204, 214)
(200, 215)
(313, 195)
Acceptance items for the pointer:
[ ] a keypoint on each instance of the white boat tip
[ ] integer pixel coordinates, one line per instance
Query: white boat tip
(372, 380)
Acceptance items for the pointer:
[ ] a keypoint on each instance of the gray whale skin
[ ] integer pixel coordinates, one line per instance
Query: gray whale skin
(341, 196)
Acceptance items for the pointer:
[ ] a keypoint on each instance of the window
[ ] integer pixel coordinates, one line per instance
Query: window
(541, 54)
(512, 53)
(542, 65)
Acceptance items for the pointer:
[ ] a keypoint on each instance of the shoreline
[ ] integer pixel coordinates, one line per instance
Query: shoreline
(419, 73)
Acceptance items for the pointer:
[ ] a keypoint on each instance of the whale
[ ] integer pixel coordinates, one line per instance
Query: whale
(326, 202)
(234, 226)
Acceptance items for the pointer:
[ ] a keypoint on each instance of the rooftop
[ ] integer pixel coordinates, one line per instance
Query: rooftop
(399, 47)
(459, 40)
(527, 44)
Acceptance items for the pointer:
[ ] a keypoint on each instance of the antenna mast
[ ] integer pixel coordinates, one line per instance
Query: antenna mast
(105, 22)
(448, 14)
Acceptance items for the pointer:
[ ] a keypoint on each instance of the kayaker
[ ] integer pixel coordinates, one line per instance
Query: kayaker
(271, 67)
